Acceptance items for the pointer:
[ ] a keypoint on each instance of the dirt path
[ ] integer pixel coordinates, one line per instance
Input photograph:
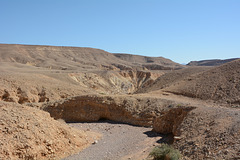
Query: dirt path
(119, 141)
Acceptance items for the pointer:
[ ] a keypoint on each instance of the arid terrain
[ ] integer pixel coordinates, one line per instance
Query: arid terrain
(85, 103)
(211, 62)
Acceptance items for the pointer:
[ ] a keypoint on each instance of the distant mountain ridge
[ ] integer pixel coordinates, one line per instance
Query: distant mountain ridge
(151, 63)
(210, 62)
(72, 58)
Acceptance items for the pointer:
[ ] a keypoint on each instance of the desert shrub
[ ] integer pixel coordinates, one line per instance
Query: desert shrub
(165, 152)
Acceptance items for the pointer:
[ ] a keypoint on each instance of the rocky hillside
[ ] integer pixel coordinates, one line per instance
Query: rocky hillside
(197, 106)
(65, 58)
(210, 133)
(212, 62)
(46, 85)
(28, 133)
(73, 58)
(198, 131)
(169, 78)
(220, 84)
(151, 63)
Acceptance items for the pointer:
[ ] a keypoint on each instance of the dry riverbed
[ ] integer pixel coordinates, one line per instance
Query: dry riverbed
(119, 141)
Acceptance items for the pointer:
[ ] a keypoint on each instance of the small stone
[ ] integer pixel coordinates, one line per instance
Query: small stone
(177, 138)
(95, 142)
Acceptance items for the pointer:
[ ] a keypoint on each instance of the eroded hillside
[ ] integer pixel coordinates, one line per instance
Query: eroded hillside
(220, 84)
(197, 106)
(28, 133)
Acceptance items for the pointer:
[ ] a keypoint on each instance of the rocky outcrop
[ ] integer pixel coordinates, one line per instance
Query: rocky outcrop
(115, 82)
(46, 88)
(163, 115)
(22, 96)
(140, 79)
(170, 120)
(6, 96)
(130, 110)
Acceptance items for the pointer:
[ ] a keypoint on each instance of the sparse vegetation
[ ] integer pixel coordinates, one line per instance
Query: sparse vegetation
(236, 106)
(165, 152)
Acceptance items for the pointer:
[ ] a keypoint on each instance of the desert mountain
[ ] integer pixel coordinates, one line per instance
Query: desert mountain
(220, 83)
(171, 77)
(196, 106)
(73, 58)
(60, 72)
(152, 63)
(211, 62)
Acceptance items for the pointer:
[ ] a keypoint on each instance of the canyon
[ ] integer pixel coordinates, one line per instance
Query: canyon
(198, 107)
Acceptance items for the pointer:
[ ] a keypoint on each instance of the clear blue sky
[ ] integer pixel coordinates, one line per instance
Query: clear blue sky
(181, 30)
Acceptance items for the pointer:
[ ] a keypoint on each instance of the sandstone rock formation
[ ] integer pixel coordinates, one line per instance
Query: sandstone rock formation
(132, 110)
(171, 119)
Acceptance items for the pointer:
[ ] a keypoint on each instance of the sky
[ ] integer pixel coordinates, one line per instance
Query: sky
(181, 30)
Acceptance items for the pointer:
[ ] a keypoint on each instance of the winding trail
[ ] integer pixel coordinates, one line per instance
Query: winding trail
(119, 141)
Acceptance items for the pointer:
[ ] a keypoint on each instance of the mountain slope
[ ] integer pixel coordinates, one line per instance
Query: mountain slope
(211, 62)
(29, 133)
(220, 83)
(57, 57)
(152, 63)
(170, 78)
(73, 58)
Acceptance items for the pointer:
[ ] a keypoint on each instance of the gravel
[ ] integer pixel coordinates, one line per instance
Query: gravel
(119, 141)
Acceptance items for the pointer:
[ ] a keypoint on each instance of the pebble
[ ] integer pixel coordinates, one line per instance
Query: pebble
(95, 142)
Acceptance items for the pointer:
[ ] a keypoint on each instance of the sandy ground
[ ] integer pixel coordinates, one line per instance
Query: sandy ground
(119, 141)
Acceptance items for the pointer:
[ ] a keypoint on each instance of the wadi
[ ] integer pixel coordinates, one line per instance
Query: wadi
(85, 103)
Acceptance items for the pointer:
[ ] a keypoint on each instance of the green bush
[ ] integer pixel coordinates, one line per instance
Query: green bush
(165, 152)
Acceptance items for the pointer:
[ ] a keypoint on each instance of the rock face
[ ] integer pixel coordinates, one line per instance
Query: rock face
(28, 133)
(115, 82)
(170, 120)
(136, 111)
(163, 115)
